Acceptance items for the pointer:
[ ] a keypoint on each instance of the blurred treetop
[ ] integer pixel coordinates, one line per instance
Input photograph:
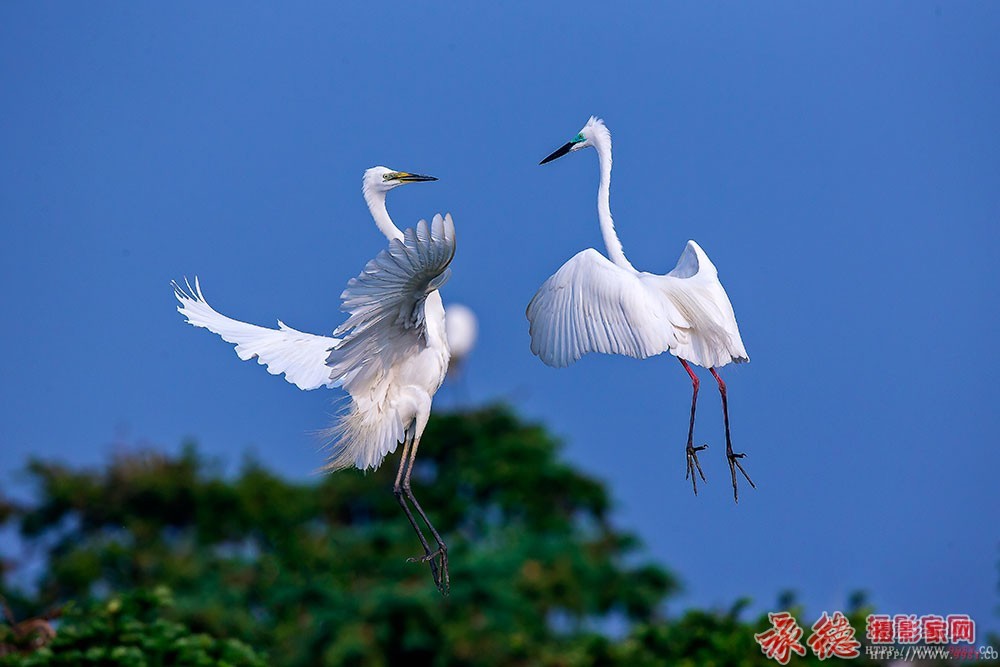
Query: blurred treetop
(317, 574)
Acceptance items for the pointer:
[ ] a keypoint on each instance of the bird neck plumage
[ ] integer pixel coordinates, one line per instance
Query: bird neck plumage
(602, 143)
(376, 204)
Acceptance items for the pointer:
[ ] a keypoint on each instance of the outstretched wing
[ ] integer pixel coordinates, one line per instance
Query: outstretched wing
(713, 339)
(593, 305)
(386, 304)
(300, 356)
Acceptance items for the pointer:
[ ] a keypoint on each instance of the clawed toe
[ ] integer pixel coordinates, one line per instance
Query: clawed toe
(428, 558)
(693, 464)
(438, 560)
(734, 463)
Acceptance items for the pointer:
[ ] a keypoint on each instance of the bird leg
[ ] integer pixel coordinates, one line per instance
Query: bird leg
(734, 458)
(441, 578)
(692, 451)
(398, 491)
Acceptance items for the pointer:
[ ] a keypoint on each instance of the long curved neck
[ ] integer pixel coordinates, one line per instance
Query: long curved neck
(615, 253)
(376, 204)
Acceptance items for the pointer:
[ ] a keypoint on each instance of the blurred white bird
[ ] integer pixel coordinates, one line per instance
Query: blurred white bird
(391, 355)
(462, 328)
(593, 304)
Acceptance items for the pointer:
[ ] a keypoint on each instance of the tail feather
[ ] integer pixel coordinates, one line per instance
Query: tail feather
(362, 437)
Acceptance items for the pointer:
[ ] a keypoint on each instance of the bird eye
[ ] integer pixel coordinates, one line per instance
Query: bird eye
(388, 177)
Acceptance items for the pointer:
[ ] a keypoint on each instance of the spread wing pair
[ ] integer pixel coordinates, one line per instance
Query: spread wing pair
(603, 304)
(386, 319)
(390, 355)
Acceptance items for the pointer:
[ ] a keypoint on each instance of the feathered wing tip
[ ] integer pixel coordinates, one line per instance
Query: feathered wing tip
(299, 356)
(714, 336)
(194, 306)
(421, 247)
(187, 295)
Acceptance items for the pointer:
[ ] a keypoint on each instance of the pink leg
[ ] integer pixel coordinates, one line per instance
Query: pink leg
(692, 451)
(734, 459)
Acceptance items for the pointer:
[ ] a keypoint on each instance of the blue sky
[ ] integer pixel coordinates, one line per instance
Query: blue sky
(840, 165)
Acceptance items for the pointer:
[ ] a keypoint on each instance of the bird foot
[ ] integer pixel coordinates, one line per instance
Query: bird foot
(734, 463)
(692, 464)
(438, 561)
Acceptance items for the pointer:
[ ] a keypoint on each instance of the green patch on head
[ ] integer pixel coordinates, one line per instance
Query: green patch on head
(577, 139)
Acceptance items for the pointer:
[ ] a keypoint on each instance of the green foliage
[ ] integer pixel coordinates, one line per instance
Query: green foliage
(704, 639)
(127, 631)
(317, 573)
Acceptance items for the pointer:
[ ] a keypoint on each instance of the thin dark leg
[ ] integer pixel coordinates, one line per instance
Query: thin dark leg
(734, 459)
(399, 492)
(442, 581)
(692, 451)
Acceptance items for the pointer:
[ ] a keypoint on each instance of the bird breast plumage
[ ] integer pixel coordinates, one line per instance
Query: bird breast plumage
(427, 368)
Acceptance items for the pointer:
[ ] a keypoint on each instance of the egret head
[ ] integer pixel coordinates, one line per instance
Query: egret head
(383, 179)
(593, 132)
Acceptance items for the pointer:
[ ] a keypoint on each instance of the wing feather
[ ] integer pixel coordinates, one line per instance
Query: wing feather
(299, 356)
(385, 303)
(592, 305)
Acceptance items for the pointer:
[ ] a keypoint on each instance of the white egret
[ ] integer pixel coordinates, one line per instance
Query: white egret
(462, 328)
(593, 304)
(391, 355)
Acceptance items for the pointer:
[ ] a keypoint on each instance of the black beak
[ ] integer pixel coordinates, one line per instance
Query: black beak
(558, 153)
(416, 178)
